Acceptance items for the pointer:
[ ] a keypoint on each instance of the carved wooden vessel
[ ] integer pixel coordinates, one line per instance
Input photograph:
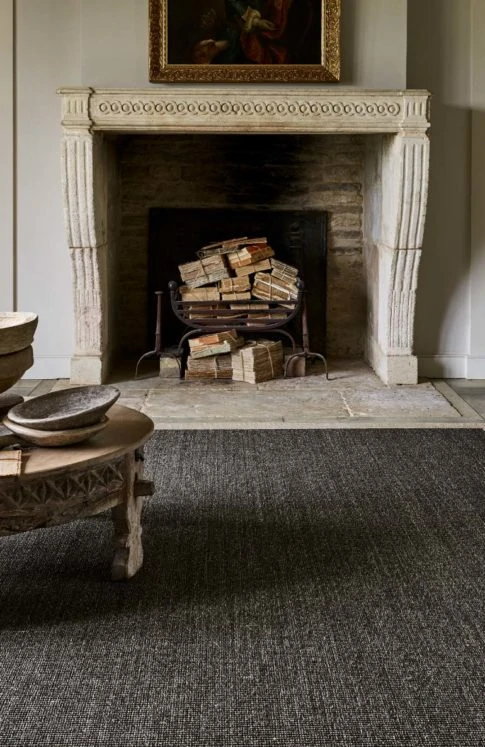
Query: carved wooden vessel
(17, 330)
(68, 408)
(60, 485)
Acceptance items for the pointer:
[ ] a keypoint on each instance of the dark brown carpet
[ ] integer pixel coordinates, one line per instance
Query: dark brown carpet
(300, 588)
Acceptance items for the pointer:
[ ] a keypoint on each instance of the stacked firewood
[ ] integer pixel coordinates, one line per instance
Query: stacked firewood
(213, 367)
(237, 270)
(210, 355)
(225, 355)
(223, 273)
(204, 271)
(258, 360)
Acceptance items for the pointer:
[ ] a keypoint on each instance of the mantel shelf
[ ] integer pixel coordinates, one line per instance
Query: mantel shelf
(248, 109)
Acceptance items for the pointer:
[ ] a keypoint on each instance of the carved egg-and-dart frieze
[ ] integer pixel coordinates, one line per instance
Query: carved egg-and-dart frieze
(226, 107)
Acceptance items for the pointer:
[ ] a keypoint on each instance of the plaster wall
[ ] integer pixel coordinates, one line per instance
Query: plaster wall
(439, 38)
(7, 156)
(476, 358)
(88, 42)
(48, 48)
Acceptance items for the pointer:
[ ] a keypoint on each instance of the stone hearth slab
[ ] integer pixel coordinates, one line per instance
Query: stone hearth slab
(353, 397)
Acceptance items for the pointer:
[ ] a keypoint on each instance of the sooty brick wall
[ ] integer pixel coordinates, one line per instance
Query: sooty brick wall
(254, 171)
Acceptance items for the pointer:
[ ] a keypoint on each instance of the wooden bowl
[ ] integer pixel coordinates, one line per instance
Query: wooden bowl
(55, 438)
(13, 366)
(68, 408)
(17, 330)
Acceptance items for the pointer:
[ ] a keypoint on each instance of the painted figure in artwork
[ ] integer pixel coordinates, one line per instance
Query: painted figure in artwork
(266, 32)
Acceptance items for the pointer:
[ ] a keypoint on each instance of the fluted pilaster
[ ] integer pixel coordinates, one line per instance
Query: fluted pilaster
(83, 172)
(402, 300)
(89, 270)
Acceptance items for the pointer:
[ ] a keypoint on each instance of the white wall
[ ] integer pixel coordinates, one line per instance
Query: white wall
(48, 52)
(374, 40)
(476, 359)
(114, 37)
(105, 43)
(7, 176)
(439, 60)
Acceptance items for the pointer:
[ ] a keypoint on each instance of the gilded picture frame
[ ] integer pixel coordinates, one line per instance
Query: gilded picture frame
(232, 41)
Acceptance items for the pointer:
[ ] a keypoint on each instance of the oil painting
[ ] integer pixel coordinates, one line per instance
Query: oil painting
(232, 41)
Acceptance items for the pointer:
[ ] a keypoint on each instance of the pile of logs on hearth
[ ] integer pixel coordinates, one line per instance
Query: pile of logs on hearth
(239, 270)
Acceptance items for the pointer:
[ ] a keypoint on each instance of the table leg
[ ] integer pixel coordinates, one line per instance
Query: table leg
(128, 556)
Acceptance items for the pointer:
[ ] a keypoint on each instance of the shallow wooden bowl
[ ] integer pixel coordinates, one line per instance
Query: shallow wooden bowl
(68, 408)
(17, 330)
(7, 401)
(13, 366)
(55, 438)
(7, 438)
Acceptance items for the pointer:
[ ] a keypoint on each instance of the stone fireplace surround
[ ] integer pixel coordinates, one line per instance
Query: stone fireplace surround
(395, 193)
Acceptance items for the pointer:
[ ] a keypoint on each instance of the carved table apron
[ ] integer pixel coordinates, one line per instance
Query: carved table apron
(62, 484)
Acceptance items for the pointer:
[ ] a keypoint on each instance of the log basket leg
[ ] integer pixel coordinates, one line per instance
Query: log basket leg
(157, 351)
(306, 354)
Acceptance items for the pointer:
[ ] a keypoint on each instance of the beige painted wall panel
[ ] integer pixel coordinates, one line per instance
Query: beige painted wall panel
(438, 59)
(7, 182)
(105, 43)
(476, 364)
(114, 37)
(48, 53)
(374, 39)
(115, 43)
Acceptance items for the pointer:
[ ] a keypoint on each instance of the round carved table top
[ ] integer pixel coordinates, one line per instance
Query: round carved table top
(127, 429)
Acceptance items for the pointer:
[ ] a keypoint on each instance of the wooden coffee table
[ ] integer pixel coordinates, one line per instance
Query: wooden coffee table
(58, 485)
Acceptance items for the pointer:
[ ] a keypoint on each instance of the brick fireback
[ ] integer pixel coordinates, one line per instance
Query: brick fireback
(314, 172)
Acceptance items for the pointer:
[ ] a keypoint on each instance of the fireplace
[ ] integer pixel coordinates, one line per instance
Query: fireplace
(372, 273)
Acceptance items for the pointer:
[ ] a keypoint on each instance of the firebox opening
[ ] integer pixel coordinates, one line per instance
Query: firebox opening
(298, 238)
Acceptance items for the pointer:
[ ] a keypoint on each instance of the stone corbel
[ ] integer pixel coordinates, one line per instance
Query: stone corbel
(396, 252)
(90, 360)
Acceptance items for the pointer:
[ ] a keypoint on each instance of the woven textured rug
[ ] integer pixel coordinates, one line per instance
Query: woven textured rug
(300, 588)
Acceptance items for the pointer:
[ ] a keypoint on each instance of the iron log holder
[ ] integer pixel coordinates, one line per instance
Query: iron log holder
(218, 322)
(198, 327)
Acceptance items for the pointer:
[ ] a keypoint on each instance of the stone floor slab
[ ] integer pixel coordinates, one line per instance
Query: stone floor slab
(353, 396)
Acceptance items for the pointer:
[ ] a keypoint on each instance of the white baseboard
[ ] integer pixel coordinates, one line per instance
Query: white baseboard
(443, 366)
(475, 367)
(49, 367)
(451, 366)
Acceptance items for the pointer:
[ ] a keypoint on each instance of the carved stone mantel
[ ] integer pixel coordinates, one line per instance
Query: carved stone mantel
(397, 165)
(246, 109)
